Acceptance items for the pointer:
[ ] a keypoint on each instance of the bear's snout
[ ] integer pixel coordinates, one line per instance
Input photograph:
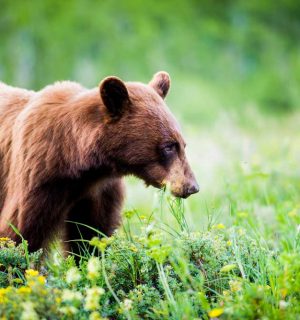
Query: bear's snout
(190, 189)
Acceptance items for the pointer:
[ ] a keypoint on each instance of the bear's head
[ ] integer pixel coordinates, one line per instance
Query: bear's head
(142, 136)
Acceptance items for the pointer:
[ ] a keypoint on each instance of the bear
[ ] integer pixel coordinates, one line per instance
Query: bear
(65, 149)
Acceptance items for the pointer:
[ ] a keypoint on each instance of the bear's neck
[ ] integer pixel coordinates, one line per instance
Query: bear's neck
(88, 148)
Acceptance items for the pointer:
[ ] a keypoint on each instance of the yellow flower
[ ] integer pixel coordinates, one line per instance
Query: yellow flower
(229, 243)
(41, 279)
(31, 283)
(219, 226)
(214, 313)
(228, 268)
(31, 273)
(101, 244)
(4, 239)
(58, 300)
(24, 290)
(129, 214)
(283, 292)
(3, 292)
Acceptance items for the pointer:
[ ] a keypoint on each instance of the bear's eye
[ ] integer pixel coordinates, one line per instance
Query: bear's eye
(169, 149)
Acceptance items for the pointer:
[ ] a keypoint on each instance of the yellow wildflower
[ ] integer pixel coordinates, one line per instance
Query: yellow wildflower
(24, 290)
(3, 292)
(41, 279)
(214, 313)
(219, 226)
(283, 292)
(58, 300)
(229, 243)
(31, 273)
(129, 214)
(101, 244)
(4, 239)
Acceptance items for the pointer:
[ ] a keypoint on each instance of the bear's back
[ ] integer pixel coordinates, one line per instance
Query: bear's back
(12, 102)
(16, 101)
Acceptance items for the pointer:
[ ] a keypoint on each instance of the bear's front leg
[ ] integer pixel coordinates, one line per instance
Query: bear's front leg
(100, 209)
(38, 215)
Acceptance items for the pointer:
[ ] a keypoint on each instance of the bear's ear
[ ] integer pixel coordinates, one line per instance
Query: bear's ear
(161, 83)
(114, 95)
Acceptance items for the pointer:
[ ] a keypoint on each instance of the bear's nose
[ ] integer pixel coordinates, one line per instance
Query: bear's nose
(191, 189)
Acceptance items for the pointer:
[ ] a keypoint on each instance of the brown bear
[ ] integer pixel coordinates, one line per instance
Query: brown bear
(65, 149)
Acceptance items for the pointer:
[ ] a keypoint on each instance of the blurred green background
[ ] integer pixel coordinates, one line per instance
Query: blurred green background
(235, 68)
(227, 53)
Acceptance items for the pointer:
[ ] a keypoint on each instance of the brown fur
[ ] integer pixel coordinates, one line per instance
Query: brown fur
(65, 149)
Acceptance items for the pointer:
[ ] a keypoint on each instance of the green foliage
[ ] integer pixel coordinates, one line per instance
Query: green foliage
(13, 262)
(203, 271)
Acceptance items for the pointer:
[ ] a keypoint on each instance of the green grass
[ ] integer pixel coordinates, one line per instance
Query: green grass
(230, 252)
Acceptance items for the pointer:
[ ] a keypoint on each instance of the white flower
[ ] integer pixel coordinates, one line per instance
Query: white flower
(68, 310)
(69, 295)
(93, 268)
(28, 311)
(127, 304)
(283, 304)
(73, 275)
(57, 259)
(92, 298)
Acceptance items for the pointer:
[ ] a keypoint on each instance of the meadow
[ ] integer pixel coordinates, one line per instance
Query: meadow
(232, 251)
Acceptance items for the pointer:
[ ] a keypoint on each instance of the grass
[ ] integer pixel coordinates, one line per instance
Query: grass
(231, 252)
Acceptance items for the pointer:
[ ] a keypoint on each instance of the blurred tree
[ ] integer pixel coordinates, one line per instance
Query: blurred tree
(246, 51)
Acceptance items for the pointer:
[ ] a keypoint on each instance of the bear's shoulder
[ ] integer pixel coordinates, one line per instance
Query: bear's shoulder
(61, 91)
(63, 86)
